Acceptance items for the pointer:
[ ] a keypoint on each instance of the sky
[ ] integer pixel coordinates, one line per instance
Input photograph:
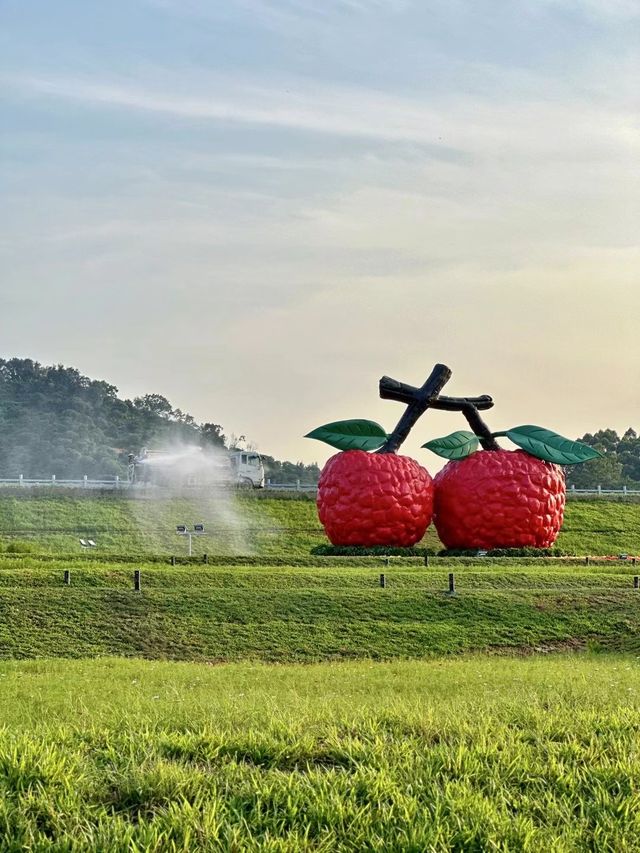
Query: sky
(259, 207)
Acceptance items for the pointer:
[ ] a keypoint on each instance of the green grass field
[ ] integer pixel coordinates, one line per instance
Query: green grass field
(274, 700)
(244, 524)
(322, 609)
(465, 755)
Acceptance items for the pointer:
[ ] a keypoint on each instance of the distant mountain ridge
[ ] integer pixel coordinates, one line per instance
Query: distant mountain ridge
(54, 420)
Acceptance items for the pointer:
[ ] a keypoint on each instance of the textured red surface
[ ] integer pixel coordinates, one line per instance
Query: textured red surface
(499, 499)
(374, 499)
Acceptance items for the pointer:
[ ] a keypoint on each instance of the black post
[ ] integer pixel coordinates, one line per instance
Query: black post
(205, 558)
(586, 561)
(67, 577)
(383, 581)
(173, 561)
(636, 582)
(426, 560)
(136, 580)
(452, 584)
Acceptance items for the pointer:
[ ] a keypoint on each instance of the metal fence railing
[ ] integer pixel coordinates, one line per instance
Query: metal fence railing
(83, 483)
(571, 490)
(298, 486)
(119, 483)
(291, 487)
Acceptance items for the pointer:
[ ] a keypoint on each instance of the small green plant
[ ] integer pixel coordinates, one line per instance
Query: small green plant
(19, 547)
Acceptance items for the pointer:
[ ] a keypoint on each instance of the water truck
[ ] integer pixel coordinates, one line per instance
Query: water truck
(193, 466)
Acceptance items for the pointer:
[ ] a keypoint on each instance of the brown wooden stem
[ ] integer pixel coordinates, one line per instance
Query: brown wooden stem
(418, 400)
(479, 427)
(391, 389)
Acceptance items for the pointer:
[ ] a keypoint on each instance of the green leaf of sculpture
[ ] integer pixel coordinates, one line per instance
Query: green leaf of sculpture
(351, 435)
(548, 445)
(455, 446)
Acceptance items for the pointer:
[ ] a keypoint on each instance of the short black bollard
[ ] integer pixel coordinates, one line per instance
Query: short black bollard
(426, 560)
(173, 561)
(205, 558)
(636, 582)
(67, 577)
(383, 581)
(136, 580)
(586, 561)
(452, 584)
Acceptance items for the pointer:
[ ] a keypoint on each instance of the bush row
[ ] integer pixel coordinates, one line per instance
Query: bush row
(381, 551)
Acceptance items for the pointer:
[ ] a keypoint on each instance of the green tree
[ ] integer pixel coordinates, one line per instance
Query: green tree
(211, 435)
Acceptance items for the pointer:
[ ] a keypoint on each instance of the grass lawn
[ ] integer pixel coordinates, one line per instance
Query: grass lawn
(289, 703)
(467, 754)
(244, 524)
(323, 609)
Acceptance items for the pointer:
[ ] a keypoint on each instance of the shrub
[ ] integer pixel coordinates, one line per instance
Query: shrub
(508, 552)
(19, 547)
(376, 551)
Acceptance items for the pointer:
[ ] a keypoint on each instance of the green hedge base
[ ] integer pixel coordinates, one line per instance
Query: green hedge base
(381, 551)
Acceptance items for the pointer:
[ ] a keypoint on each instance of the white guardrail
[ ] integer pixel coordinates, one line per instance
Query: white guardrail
(118, 483)
(600, 491)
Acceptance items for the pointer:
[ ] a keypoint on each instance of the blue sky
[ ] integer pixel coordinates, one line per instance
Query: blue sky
(258, 207)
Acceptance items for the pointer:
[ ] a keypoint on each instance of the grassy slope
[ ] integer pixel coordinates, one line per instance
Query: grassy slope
(311, 613)
(322, 609)
(246, 525)
(466, 754)
(536, 754)
(235, 525)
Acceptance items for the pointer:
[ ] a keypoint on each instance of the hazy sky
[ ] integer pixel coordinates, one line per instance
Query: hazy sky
(258, 207)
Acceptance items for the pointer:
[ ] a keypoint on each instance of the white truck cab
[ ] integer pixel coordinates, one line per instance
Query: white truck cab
(189, 467)
(248, 468)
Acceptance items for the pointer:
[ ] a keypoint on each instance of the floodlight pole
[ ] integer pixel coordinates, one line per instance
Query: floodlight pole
(190, 534)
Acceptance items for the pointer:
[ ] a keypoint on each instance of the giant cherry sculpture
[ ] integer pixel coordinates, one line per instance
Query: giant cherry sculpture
(483, 498)
(382, 498)
(495, 498)
(379, 498)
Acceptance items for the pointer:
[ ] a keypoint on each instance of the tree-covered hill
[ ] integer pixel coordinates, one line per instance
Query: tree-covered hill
(618, 466)
(54, 420)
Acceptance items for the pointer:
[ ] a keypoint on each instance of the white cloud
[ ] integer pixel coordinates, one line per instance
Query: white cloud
(541, 127)
(485, 218)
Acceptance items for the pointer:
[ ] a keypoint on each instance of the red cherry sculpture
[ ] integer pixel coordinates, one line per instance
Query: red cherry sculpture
(374, 499)
(484, 499)
(378, 498)
(494, 498)
(499, 499)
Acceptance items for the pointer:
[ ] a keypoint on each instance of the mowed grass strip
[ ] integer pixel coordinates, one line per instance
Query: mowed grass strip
(245, 524)
(348, 574)
(468, 755)
(280, 621)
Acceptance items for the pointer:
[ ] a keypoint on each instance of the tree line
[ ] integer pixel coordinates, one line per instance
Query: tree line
(618, 466)
(54, 420)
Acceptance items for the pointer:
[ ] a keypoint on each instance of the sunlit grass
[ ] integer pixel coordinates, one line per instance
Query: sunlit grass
(246, 524)
(471, 754)
(320, 610)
